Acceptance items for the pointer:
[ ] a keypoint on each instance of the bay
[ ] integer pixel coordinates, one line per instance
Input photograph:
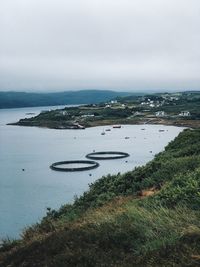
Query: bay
(25, 195)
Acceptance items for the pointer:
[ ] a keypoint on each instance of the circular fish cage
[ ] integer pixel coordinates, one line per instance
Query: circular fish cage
(89, 165)
(104, 155)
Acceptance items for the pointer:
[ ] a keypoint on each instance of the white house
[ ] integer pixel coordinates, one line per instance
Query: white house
(160, 114)
(184, 113)
(87, 116)
(113, 101)
(152, 105)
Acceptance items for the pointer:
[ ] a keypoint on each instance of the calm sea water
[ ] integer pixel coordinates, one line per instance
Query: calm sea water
(25, 195)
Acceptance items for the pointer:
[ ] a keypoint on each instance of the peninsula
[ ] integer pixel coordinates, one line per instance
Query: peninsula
(179, 109)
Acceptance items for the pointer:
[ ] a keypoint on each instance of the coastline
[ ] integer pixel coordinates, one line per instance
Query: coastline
(105, 122)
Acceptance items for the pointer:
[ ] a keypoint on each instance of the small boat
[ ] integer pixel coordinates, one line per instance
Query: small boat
(108, 130)
(127, 137)
(117, 126)
(161, 130)
(81, 127)
(103, 133)
(143, 129)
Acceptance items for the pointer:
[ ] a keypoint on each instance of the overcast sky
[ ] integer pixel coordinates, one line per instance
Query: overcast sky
(131, 45)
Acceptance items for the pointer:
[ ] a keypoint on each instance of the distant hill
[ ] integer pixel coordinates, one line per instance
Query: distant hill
(23, 99)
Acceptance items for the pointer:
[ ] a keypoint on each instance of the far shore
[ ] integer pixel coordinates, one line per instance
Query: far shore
(158, 121)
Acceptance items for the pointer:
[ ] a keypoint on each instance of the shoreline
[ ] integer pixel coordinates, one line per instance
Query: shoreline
(51, 125)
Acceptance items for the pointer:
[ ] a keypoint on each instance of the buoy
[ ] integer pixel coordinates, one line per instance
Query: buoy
(89, 165)
(104, 155)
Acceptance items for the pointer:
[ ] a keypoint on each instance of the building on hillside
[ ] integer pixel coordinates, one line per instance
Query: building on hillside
(160, 114)
(87, 115)
(184, 114)
(113, 102)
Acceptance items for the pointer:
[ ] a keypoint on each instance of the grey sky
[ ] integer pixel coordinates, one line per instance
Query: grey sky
(102, 44)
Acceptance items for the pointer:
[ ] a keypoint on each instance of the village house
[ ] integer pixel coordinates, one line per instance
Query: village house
(160, 114)
(184, 114)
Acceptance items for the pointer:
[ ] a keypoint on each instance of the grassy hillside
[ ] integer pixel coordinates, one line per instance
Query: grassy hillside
(145, 217)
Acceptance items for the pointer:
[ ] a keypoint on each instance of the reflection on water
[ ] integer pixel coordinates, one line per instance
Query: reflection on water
(28, 185)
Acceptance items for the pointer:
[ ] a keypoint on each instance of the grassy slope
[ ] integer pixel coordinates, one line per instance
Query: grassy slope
(114, 224)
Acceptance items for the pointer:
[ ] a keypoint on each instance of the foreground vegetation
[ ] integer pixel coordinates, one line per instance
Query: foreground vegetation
(145, 217)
